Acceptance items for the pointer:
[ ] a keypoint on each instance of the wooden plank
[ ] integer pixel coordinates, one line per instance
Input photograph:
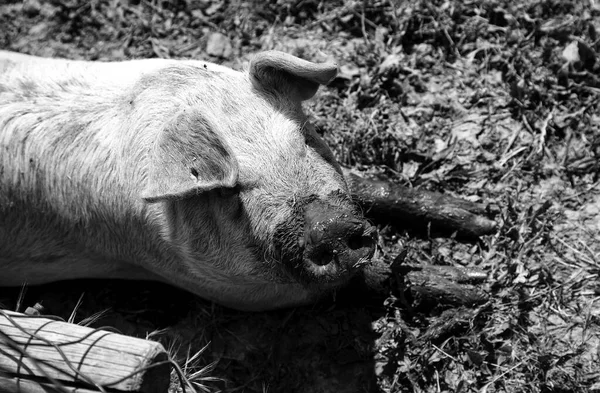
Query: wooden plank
(17, 385)
(33, 347)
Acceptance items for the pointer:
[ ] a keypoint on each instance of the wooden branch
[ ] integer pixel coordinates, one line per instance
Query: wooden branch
(432, 286)
(419, 210)
(37, 352)
(427, 286)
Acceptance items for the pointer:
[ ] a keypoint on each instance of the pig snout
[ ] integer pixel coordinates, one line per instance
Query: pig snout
(336, 243)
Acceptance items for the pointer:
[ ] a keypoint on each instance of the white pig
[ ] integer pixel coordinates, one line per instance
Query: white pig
(176, 170)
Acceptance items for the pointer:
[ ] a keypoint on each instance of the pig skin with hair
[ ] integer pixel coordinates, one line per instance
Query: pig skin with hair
(181, 171)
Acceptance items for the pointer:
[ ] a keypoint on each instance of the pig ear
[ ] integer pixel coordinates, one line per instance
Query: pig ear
(189, 158)
(287, 74)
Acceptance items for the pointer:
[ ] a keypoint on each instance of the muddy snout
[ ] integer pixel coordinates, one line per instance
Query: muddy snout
(336, 242)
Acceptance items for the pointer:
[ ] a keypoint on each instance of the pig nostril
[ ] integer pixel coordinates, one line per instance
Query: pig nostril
(361, 238)
(323, 256)
(357, 241)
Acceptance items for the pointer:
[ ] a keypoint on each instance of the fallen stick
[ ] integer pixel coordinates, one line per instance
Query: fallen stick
(419, 210)
(38, 352)
(423, 286)
(432, 286)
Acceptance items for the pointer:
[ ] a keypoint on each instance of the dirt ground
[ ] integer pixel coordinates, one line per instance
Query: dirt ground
(493, 101)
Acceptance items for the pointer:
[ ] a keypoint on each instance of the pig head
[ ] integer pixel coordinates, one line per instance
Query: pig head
(182, 171)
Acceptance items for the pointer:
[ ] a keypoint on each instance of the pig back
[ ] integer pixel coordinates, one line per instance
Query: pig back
(68, 173)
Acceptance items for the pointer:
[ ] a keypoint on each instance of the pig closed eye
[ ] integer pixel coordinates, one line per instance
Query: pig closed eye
(227, 192)
(230, 197)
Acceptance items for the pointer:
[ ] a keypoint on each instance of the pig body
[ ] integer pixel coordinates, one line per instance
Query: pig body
(181, 171)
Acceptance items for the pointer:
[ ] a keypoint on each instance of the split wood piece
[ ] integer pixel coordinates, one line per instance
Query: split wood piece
(416, 209)
(432, 286)
(451, 322)
(33, 348)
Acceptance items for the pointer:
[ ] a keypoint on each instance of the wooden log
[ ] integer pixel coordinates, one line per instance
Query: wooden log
(419, 210)
(36, 351)
(19, 385)
(431, 287)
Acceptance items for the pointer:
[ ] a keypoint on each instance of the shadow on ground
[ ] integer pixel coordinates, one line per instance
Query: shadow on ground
(322, 348)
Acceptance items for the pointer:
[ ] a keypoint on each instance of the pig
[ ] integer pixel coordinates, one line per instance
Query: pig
(181, 171)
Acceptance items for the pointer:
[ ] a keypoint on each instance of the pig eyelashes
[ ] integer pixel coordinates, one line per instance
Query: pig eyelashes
(229, 198)
(226, 192)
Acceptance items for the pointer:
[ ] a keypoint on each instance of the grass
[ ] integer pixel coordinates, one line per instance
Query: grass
(477, 99)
